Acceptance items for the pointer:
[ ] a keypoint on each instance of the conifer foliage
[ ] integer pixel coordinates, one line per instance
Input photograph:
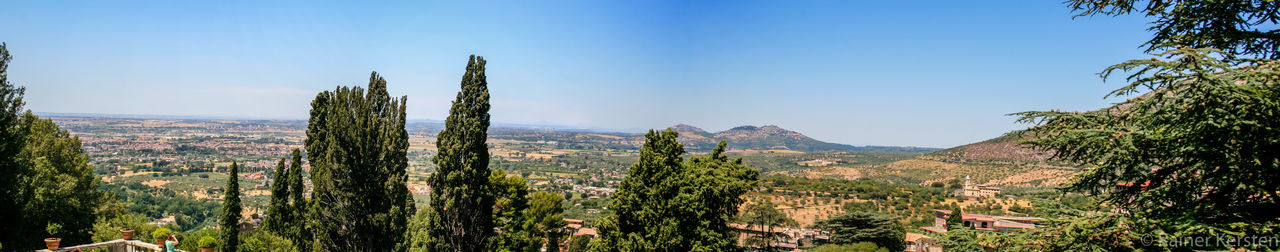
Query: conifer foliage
(278, 213)
(665, 204)
(356, 145)
(865, 226)
(287, 209)
(462, 210)
(297, 225)
(229, 224)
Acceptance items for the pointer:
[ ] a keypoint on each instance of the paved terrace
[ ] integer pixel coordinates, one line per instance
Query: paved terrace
(113, 246)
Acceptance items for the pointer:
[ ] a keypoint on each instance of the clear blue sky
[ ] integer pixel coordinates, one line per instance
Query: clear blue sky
(916, 73)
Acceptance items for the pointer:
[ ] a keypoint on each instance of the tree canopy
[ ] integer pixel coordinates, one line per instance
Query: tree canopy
(763, 215)
(1236, 27)
(45, 176)
(356, 145)
(864, 226)
(287, 209)
(59, 185)
(463, 211)
(545, 216)
(665, 204)
(511, 200)
(1201, 146)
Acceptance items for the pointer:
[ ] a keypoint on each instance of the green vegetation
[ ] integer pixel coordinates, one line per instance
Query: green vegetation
(1197, 151)
(460, 214)
(45, 177)
(161, 233)
(545, 215)
(1200, 106)
(107, 229)
(11, 141)
(285, 215)
(155, 203)
(667, 204)
(261, 240)
(1068, 229)
(356, 144)
(1237, 27)
(229, 223)
(510, 202)
(579, 243)
(208, 242)
(955, 220)
(764, 215)
(278, 213)
(863, 226)
(856, 247)
(53, 229)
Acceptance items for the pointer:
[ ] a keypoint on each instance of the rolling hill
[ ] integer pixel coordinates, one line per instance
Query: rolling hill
(769, 137)
(999, 162)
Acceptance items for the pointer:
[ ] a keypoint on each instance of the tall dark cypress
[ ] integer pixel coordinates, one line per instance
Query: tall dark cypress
(297, 227)
(230, 221)
(356, 144)
(458, 198)
(278, 212)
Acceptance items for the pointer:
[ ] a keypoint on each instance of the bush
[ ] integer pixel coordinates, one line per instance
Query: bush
(856, 247)
(264, 241)
(109, 229)
(579, 243)
(208, 242)
(194, 238)
(161, 233)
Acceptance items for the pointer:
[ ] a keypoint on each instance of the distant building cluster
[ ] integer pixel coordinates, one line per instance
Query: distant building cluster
(922, 243)
(419, 189)
(259, 175)
(787, 238)
(605, 191)
(983, 222)
(575, 227)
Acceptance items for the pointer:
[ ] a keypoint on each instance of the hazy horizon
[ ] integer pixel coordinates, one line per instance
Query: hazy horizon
(894, 74)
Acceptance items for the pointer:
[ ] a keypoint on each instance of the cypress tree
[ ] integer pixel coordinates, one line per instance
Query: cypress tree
(356, 144)
(297, 227)
(230, 221)
(463, 210)
(278, 212)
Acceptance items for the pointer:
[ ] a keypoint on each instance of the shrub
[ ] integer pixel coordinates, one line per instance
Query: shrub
(109, 229)
(208, 242)
(53, 229)
(161, 233)
(264, 241)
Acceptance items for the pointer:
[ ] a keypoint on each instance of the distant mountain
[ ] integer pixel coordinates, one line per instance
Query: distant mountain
(768, 137)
